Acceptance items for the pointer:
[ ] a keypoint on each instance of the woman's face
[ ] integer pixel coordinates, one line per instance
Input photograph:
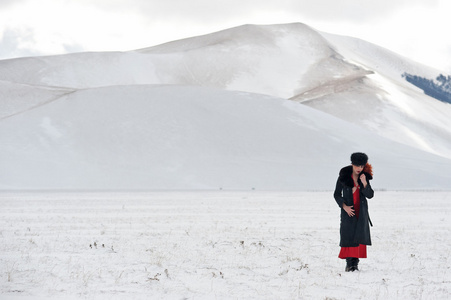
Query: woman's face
(357, 169)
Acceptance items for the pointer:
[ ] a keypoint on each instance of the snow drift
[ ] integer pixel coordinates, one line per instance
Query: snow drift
(211, 112)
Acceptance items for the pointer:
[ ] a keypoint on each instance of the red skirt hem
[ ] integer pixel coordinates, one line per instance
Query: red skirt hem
(358, 252)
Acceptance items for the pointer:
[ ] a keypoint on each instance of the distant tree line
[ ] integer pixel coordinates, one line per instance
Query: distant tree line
(440, 88)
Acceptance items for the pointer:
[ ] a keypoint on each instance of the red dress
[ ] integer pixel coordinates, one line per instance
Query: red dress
(360, 251)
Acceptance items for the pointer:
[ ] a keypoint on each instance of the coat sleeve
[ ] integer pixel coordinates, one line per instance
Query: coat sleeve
(368, 191)
(338, 194)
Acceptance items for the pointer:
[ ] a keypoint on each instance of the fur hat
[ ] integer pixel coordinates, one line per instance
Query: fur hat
(359, 159)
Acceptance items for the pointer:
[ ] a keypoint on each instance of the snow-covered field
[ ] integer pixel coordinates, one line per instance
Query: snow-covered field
(218, 245)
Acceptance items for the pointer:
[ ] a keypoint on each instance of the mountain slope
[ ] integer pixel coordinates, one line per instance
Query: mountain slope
(175, 137)
(324, 71)
(278, 60)
(123, 120)
(16, 98)
(384, 102)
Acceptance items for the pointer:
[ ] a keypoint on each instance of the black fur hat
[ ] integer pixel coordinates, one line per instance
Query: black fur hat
(359, 159)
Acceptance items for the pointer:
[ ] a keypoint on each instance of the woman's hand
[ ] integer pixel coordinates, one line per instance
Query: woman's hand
(349, 210)
(363, 180)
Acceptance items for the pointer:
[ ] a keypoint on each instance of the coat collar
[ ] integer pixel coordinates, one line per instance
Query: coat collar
(345, 176)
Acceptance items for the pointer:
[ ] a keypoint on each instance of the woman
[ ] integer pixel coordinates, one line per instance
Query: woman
(351, 191)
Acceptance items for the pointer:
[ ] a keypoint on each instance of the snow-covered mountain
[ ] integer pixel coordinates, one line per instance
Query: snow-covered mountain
(213, 112)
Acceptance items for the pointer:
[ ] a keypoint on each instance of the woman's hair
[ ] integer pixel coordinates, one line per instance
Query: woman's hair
(368, 169)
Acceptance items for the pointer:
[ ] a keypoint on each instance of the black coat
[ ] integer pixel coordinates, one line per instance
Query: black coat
(353, 231)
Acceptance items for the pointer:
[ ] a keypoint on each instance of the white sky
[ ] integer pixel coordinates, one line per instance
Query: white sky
(418, 29)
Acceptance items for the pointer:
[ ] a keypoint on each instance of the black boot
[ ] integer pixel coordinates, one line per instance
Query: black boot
(355, 264)
(349, 264)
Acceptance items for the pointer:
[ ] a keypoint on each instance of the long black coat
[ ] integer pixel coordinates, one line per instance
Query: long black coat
(353, 231)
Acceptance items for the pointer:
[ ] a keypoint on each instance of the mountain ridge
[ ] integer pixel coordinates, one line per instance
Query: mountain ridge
(338, 81)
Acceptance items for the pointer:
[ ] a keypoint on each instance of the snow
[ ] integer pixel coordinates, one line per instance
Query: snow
(179, 137)
(213, 158)
(399, 111)
(345, 77)
(222, 245)
(378, 59)
(17, 98)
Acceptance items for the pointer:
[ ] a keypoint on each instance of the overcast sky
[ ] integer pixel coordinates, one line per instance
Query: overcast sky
(418, 29)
